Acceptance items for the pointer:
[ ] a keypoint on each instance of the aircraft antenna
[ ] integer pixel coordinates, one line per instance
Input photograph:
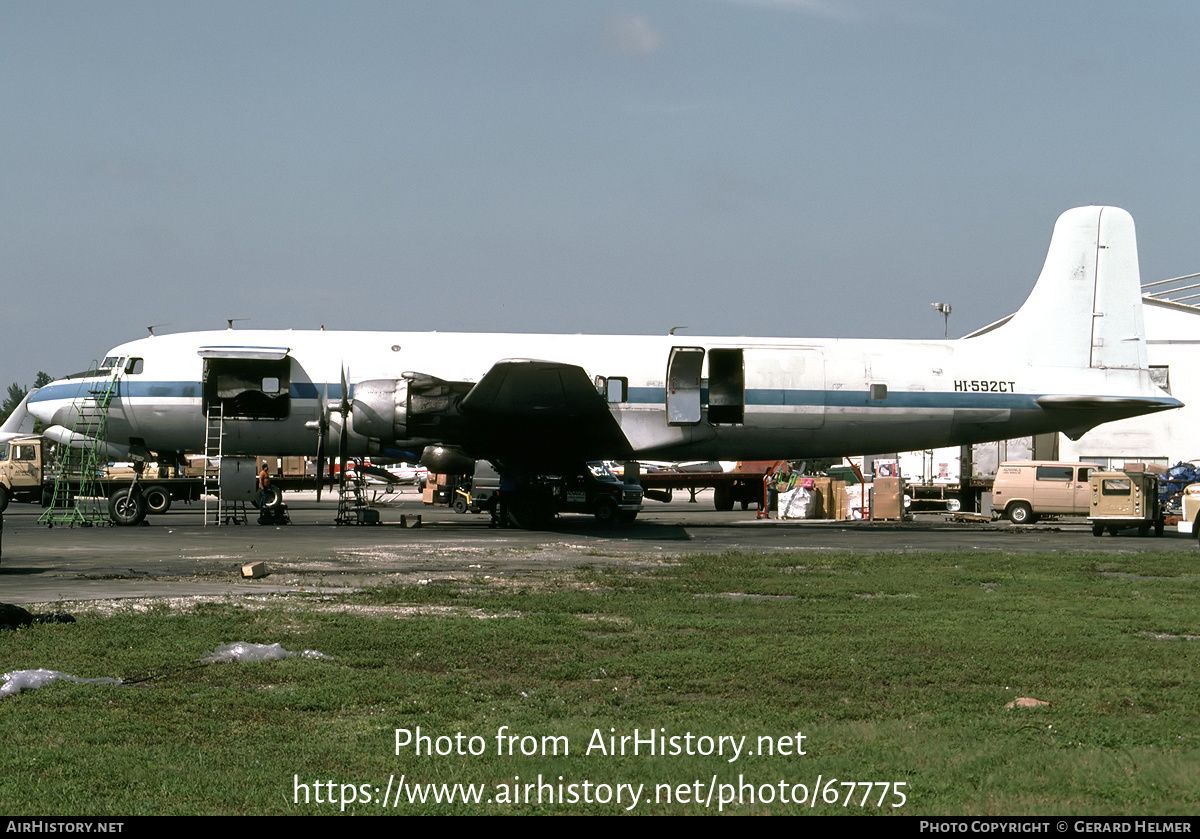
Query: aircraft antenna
(944, 308)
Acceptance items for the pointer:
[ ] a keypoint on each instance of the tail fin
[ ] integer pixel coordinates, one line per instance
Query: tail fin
(1086, 309)
(19, 422)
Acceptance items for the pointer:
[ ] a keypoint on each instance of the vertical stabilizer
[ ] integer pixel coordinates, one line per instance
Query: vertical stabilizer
(1118, 333)
(20, 421)
(1086, 309)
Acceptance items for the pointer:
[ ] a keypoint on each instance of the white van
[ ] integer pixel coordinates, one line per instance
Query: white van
(1027, 489)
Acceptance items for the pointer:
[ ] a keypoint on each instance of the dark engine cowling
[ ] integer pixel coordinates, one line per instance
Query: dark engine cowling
(447, 460)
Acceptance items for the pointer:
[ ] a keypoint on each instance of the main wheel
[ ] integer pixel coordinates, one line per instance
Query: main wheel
(723, 498)
(3, 498)
(126, 507)
(606, 510)
(460, 505)
(270, 498)
(158, 499)
(530, 512)
(1020, 513)
(1097, 530)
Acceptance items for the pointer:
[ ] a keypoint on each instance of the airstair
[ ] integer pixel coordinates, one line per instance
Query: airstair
(353, 504)
(217, 511)
(78, 496)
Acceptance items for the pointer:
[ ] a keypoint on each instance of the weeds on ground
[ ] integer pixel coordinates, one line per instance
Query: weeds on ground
(895, 669)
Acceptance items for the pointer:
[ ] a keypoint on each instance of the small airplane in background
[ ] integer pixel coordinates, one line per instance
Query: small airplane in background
(1072, 357)
(393, 474)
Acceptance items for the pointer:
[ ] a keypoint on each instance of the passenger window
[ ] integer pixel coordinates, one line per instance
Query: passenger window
(1055, 473)
(1083, 474)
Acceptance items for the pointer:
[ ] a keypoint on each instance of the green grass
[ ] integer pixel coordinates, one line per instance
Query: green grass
(896, 668)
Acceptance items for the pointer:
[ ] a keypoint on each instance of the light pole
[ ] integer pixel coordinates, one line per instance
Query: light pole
(944, 308)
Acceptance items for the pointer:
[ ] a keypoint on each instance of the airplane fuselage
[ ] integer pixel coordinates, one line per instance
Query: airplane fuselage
(795, 398)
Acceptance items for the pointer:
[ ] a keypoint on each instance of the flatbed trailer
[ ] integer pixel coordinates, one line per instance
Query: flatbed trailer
(742, 485)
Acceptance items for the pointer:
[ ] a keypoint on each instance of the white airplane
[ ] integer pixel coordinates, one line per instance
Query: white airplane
(1072, 357)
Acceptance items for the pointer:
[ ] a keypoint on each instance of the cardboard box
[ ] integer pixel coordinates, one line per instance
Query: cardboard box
(837, 495)
(822, 505)
(888, 499)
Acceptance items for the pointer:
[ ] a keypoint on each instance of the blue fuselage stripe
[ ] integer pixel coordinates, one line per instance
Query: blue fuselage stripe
(759, 397)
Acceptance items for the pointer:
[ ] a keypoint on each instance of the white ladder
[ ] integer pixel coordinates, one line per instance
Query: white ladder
(213, 438)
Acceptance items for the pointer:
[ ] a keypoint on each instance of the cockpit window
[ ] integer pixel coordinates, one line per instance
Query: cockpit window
(134, 366)
(110, 362)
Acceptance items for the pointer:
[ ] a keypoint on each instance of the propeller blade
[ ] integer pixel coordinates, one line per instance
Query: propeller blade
(322, 433)
(345, 406)
(320, 464)
(342, 439)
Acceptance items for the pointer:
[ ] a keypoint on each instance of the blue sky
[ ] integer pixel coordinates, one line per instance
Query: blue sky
(814, 168)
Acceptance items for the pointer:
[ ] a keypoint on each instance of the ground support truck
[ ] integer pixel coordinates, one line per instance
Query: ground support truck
(126, 492)
(1190, 523)
(1125, 499)
(533, 501)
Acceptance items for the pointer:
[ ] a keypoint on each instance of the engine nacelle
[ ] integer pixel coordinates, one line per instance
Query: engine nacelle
(447, 460)
(380, 408)
(410, 408)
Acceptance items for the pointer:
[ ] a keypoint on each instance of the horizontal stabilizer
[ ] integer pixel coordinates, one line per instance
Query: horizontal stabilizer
(1145, 404)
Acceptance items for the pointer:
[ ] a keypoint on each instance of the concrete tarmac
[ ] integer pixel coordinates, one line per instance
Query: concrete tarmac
(175, 556)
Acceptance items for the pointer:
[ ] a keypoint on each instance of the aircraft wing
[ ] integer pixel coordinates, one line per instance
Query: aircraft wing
(535, 388)
(544, 410)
